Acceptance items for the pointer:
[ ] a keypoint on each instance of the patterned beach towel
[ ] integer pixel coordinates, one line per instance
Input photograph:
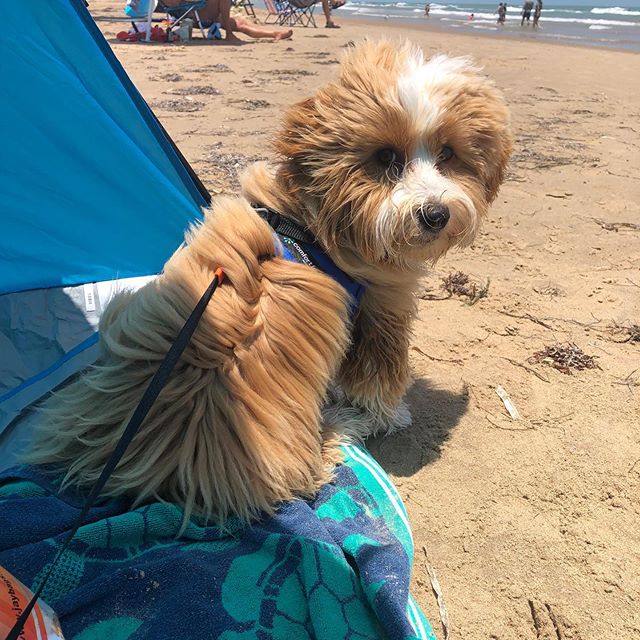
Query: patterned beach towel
(337, 567)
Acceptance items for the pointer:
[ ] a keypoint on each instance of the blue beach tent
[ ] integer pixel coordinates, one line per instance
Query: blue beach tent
(93, 196)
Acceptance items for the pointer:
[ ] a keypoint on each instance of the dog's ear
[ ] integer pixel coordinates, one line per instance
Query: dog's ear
(476, 119)
(497, 140)
(485, 108)
(302, 116)
(295, 144)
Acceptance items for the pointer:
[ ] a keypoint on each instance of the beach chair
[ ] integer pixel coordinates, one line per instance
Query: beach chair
(184, 10)
(143, 10)
(247, 5)
(285, 12)
(278, 12)
(303, 13)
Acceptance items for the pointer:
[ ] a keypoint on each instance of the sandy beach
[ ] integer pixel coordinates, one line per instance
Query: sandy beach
(532, 526)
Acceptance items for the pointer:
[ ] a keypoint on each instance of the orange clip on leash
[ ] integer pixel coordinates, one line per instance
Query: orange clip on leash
(220, 273)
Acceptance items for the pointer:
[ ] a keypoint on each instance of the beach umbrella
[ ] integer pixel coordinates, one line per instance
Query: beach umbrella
(93, 194)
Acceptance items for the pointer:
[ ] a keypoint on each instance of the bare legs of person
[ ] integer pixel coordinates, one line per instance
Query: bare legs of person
(220, 11)
(252, 30)
(326, 9)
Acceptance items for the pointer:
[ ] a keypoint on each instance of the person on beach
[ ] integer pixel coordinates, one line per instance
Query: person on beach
(427, 9)
(502, 13)
(327, 7)
(220, 11)
(536, 13)
(526, 11)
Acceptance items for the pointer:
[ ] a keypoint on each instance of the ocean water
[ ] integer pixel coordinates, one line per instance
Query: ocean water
(615, 27)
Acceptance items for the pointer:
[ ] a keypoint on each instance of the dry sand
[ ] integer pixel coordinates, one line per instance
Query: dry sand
(532, 526)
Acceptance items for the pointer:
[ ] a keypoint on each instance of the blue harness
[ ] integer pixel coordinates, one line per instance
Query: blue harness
(298, 245)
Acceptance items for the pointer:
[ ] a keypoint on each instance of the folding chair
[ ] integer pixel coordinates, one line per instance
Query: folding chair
(183, 10)
(247, 5)
(143, 10)
(278, 12)
(302, 12)
(291, 13)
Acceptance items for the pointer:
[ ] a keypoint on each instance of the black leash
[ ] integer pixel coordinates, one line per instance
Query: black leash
(156, 385)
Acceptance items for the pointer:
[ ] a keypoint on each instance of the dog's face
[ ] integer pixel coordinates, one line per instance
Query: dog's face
(397, 160)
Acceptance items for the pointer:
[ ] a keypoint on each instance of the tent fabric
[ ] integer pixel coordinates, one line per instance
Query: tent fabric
(46, 336)
(94, 196)
(91, 187)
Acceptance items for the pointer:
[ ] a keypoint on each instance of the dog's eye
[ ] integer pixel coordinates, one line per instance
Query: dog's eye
(446, 153)
(386, 157)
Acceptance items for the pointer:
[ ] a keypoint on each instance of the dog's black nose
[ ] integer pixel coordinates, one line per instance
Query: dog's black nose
(433, 217)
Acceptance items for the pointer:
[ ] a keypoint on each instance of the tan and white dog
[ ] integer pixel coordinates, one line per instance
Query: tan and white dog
(388, 167)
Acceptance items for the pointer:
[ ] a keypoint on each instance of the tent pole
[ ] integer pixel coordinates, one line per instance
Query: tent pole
(150, 9)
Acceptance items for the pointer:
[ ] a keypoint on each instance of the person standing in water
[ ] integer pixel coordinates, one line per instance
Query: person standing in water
(536, 13)
(526, 11)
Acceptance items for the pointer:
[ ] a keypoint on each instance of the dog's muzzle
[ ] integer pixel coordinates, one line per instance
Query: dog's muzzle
(433, 217)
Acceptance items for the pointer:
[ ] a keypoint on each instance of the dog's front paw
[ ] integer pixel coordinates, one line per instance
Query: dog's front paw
(401, 418)
(358, 423)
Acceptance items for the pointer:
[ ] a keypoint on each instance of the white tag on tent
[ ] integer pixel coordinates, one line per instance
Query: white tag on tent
(89, 297)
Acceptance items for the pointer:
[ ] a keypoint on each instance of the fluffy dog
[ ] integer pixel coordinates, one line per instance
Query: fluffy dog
(389, 166)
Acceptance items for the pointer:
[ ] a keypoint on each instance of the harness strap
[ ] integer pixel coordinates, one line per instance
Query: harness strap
(300, 245)
(284, 226)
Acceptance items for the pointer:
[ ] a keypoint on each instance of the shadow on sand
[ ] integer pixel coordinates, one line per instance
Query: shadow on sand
(435, 414)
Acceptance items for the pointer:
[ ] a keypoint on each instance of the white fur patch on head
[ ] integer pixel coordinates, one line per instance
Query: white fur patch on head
(418, 80)
(420, 85)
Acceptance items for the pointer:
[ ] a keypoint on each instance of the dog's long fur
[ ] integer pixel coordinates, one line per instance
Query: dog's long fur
(238, 429)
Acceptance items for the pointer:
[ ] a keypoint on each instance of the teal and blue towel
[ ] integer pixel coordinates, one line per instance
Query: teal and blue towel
(335, 568)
